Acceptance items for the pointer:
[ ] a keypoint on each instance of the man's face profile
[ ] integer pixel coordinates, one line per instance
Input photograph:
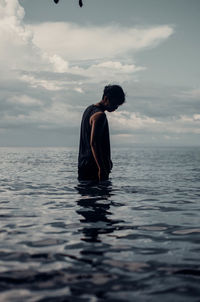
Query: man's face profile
(112, 106)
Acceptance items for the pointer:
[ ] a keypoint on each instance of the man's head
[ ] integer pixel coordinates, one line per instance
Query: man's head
(113, 97)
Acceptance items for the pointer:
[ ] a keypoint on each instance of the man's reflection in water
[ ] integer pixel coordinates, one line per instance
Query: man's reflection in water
(96, 225)
(95, 210)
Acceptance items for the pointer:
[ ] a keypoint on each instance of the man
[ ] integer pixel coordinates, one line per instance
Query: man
(94, 161)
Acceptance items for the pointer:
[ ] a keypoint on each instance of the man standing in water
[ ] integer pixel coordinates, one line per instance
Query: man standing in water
(94, 161)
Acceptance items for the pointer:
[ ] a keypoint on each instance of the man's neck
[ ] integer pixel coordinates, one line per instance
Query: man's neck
(101, 105)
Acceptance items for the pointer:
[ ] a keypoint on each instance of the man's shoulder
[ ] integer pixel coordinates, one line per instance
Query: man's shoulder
(98, 116)
(89, 108)
(88, 111)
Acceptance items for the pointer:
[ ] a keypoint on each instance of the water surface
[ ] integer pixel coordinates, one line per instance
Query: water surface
(134, 238)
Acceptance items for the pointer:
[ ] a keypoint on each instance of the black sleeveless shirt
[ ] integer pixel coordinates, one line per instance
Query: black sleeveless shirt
(85, 158)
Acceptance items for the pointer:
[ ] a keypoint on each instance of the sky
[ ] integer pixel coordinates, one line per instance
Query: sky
(55, 60)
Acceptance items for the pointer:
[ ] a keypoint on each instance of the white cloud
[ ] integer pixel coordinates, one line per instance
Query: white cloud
(35, 82)
(20, 52)
(53, 47)
(190, 119)
(196, 117)
(183, 125)
(191, 93)
(60, 65)
(107, 71)
(15, 38)
(47, 67)
(57, 115)
(91, 42)
(33, 113)
(24, 100)
(79, 89)
(130, 121)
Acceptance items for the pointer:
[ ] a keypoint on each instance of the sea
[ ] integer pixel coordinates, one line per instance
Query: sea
(135, 237)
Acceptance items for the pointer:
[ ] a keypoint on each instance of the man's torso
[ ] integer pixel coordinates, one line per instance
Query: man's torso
(86, 158)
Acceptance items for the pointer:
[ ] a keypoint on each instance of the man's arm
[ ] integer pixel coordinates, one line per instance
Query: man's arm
(97, 122)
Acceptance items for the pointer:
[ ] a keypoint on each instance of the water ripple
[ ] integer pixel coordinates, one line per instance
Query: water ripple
(134, 238)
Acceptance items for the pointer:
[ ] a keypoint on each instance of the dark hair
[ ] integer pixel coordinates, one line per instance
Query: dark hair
(115, 94)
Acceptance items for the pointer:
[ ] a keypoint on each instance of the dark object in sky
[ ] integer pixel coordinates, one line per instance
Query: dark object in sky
(80, 2)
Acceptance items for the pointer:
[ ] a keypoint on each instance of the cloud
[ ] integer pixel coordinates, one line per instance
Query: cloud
(159, 101)
(25, 111)
(24, 100)
(17, 50)
(95, 42)
(130, 123)
(21, 57)
(60, 65)
(47, 79)
(52, 85)
(190, 93)
(107, 71)
(196, 117)
(70, 48)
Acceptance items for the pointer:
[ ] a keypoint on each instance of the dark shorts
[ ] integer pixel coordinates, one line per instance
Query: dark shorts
(88, 173)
